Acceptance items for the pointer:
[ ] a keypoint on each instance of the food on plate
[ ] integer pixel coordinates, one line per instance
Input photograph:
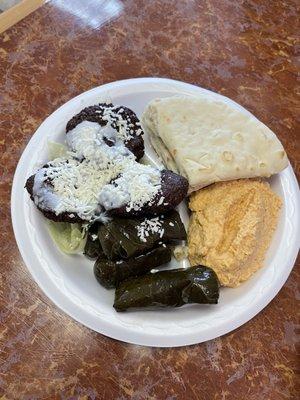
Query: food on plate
(73, 191)
(231, 228)
(172, 288)
(92, 248)
(56, 150)
(110, 273)
(207, 140)
(102, 202)
(126, 238)
(113, 118)
(46, 208)
(97, 178)
(180, 252)
(69, 238)
(167, 198)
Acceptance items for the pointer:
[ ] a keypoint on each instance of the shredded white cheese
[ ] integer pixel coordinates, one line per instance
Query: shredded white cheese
(137, 185)
(113, 116)
(75, 186)
(160, 201)
(153, 225)
(94, 176)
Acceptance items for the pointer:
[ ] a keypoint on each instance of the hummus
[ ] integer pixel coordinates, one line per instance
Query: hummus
(231, 228)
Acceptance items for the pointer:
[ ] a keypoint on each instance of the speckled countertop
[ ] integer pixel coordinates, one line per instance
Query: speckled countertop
(243, 49)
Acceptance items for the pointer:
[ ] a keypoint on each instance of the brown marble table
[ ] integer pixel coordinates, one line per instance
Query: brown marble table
(243, 49)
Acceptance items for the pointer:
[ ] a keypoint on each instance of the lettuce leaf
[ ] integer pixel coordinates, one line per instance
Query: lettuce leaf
(56, 150)
(69, 238)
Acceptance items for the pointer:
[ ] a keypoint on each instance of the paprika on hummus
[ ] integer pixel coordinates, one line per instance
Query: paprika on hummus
(231, 228)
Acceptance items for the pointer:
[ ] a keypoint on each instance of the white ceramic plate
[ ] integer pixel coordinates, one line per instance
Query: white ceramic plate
(69, 280)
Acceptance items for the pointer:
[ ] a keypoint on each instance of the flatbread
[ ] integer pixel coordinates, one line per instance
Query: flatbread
(207, 140)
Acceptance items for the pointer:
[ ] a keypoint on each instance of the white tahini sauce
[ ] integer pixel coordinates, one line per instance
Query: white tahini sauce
(95, 177)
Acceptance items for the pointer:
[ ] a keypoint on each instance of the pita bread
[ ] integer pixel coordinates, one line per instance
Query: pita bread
(207, 140)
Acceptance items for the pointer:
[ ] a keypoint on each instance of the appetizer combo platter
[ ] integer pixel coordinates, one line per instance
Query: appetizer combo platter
(156, 212)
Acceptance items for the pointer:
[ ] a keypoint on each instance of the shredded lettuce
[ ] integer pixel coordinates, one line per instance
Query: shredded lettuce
(69, 238)
(56, 150)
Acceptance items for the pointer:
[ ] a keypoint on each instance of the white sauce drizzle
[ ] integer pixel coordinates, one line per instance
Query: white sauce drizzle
(95, 177)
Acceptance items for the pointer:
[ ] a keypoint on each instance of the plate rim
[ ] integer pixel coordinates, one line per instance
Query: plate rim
(108, 329)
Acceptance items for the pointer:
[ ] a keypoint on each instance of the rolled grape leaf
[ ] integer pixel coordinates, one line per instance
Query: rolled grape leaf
(92, 248)
(110, 273)
(172, 288)
(125, 238)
